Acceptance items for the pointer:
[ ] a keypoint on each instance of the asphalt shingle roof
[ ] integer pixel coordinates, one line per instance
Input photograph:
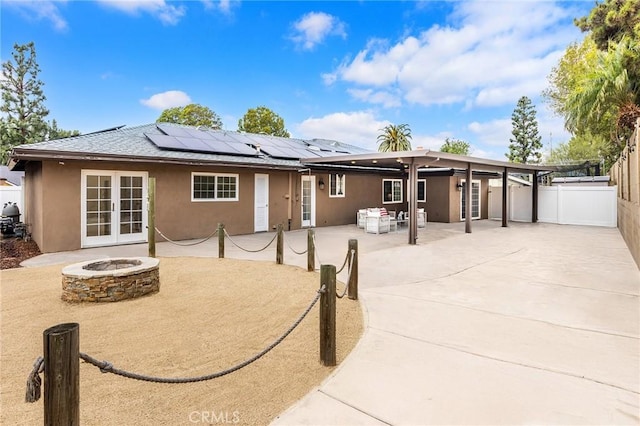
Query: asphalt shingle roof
(130, 143)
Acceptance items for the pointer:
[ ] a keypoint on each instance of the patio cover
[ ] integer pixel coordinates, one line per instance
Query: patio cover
(411, 161)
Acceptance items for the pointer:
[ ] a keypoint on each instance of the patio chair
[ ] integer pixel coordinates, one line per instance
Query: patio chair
(361, 218)
(377, 221)
(422, 218)
(393, 222)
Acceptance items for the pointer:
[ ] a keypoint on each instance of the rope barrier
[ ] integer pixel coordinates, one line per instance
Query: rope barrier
(185, 244)
(34, 381)
(292, 249)
(247, 250)
(346, 286)
(349, 254)
(316, 250)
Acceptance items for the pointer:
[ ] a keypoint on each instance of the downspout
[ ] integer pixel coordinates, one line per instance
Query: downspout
(290, 203)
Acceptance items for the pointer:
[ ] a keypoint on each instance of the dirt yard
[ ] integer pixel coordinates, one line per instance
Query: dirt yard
(210, 314)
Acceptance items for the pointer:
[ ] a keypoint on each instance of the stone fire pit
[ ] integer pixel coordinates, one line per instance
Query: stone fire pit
(110, 280)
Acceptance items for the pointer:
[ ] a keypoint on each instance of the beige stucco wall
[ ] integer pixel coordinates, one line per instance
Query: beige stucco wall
(438, 205)
(54, 201)
(33, 201)
(361, 191)
(443, 199)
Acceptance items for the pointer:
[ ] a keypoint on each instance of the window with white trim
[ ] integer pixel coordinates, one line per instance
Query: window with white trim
(214, 187)
(422, 190)
(336, 184)
(391, 191)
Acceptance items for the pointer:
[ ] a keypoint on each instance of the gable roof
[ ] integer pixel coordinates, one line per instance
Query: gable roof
(13, 178)
(143, 144)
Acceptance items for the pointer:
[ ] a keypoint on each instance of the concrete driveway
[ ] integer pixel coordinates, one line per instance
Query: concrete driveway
(535, 323)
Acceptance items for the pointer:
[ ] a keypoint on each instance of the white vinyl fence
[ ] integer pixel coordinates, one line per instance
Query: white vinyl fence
(566, 205)
(578, 205)
(11, 194)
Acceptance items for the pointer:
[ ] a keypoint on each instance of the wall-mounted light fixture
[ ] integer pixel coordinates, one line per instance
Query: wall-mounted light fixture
(459, 186)
(321, 184)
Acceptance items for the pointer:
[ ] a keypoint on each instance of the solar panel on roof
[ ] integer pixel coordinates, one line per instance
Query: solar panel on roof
(173, 130)
(289, 153)
(165, 142)
(210, 146)
(197, 140)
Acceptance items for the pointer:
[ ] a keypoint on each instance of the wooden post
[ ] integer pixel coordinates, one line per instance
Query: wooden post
(311, 251)
(468, 202)
(220, 240)
(328, 315)
(413, 202)
(352, 290)
(151, 219)
(280, 245)
(62, 374)
(534, 201)
(505, 189)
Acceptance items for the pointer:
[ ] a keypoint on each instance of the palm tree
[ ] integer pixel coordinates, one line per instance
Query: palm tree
(395, 138)
(606, 95)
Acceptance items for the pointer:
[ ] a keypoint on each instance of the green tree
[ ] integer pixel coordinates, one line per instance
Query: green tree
(579, 148)
(22, 100)
(567, 76)
(394, 138)
(526, 142)
(262, 120)
(604, 98)
(455, 146)
(612, 20)
(53, 132)
(191, 115)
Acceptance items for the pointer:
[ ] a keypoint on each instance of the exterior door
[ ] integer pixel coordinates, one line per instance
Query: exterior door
(114, 207)
(261, 215)
(475, 200)
(308, 201)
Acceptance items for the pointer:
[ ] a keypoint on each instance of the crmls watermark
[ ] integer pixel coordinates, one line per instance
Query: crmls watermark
(214, 417)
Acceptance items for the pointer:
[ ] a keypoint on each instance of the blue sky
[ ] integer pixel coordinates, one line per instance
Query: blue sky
(331, 69)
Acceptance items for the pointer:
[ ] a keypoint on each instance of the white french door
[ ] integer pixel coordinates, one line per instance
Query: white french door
(475, 199)
(261, 201)
(114, 207)
(308, 201)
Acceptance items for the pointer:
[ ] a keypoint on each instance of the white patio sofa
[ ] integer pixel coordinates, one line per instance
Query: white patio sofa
(378, 221)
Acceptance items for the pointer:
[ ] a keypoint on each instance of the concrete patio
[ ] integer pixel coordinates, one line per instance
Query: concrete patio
(534, 323)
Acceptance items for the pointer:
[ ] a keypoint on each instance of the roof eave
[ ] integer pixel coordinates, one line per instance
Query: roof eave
(20, 157)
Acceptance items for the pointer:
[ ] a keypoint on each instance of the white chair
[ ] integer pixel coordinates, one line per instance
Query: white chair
(422, 218)
(393, 222)
(362, 218)
(377, 221)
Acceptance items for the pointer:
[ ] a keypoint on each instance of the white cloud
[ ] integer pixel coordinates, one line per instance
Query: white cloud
(497, 133)
(167, 13)
(357, 128)
(382, 97)
(223, 6)
(493, 133)
(314, 27)
(169, 99)
(489, 56)
(433, 142)
(38, 10)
